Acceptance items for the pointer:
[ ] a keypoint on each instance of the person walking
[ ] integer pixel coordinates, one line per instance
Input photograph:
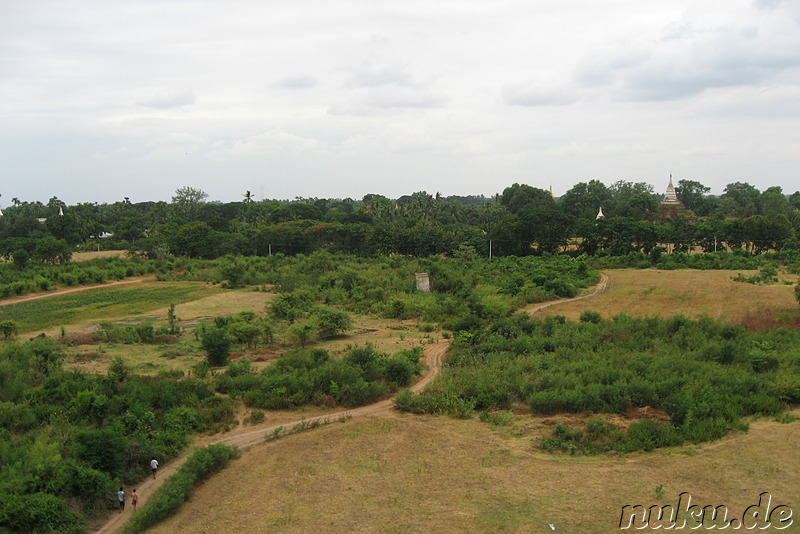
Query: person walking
(134, 498)
(154, 466)
(121, 499)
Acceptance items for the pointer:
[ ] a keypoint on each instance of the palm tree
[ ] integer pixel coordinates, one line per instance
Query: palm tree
(248, 197)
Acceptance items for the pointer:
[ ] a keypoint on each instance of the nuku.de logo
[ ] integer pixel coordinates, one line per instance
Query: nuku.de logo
(685, 515)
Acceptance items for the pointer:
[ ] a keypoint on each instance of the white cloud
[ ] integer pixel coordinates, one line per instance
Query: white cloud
(690, 57)
(475, 93)
(302, 81)
(539, 93)
(168, 100)
(264, 144)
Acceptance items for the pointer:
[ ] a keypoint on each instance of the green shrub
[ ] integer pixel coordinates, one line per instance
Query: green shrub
(217, 345)
(590, 316)
(38, 512)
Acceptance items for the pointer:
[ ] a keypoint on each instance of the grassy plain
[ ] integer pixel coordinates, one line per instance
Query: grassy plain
(689, 292)
(80, 308)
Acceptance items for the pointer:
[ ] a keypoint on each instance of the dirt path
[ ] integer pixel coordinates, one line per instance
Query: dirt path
(599, 288)
(246, 438)
(37, 296)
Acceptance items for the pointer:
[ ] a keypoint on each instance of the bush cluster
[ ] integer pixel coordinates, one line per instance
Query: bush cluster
(704, 374)
(75, 437)
(311, 376)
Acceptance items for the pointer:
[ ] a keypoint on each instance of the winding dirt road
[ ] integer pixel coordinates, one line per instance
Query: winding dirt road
(246, 438)
(599, 288)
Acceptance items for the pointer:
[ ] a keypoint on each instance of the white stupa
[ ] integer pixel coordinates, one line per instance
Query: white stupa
(600, 214)
(670, 197)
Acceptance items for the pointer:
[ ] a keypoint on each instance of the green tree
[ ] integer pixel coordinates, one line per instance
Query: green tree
(195, 240)
(331, 322)
(740, 199)
(21, 259)
(774, 203)
(52, 250)
(693, 195)
(302, 333)
(233, 269)
(518, 197)
(103, 449)
(217, 345)
(549, 229)
(633, 200)
(584, 199)
(172, 321)
(8, 329)
(246, 332)
(187, 201)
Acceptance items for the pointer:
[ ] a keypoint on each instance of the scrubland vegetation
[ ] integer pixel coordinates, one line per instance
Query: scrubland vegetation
(705, 376)
(70, 437)
(73, 437)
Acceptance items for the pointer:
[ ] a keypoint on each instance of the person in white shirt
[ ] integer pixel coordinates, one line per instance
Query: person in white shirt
(154, 466)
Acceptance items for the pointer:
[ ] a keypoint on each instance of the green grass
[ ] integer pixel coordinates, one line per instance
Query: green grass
(100, 304)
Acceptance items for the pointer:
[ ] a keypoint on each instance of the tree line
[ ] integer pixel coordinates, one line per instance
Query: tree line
(522, 220)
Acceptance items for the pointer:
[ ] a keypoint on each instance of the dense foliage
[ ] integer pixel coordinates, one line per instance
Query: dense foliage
(705, 375)
(522, 220)
(311, 376)
(69, 436)
(464, 285)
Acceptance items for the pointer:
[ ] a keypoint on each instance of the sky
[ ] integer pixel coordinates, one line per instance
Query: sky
(106, 99)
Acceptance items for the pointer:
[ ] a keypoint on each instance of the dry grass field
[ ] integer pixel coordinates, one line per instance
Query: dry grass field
(404, 474)
(693, 293)
(90, 255)
(418, 474)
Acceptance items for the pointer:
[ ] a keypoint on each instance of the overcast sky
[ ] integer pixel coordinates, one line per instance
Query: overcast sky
(105, 99)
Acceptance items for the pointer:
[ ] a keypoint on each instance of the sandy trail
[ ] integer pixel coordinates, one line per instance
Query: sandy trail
(245, 438)
(599, 288)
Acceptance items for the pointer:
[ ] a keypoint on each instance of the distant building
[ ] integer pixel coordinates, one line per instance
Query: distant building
(671, 207)
(600, 214)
